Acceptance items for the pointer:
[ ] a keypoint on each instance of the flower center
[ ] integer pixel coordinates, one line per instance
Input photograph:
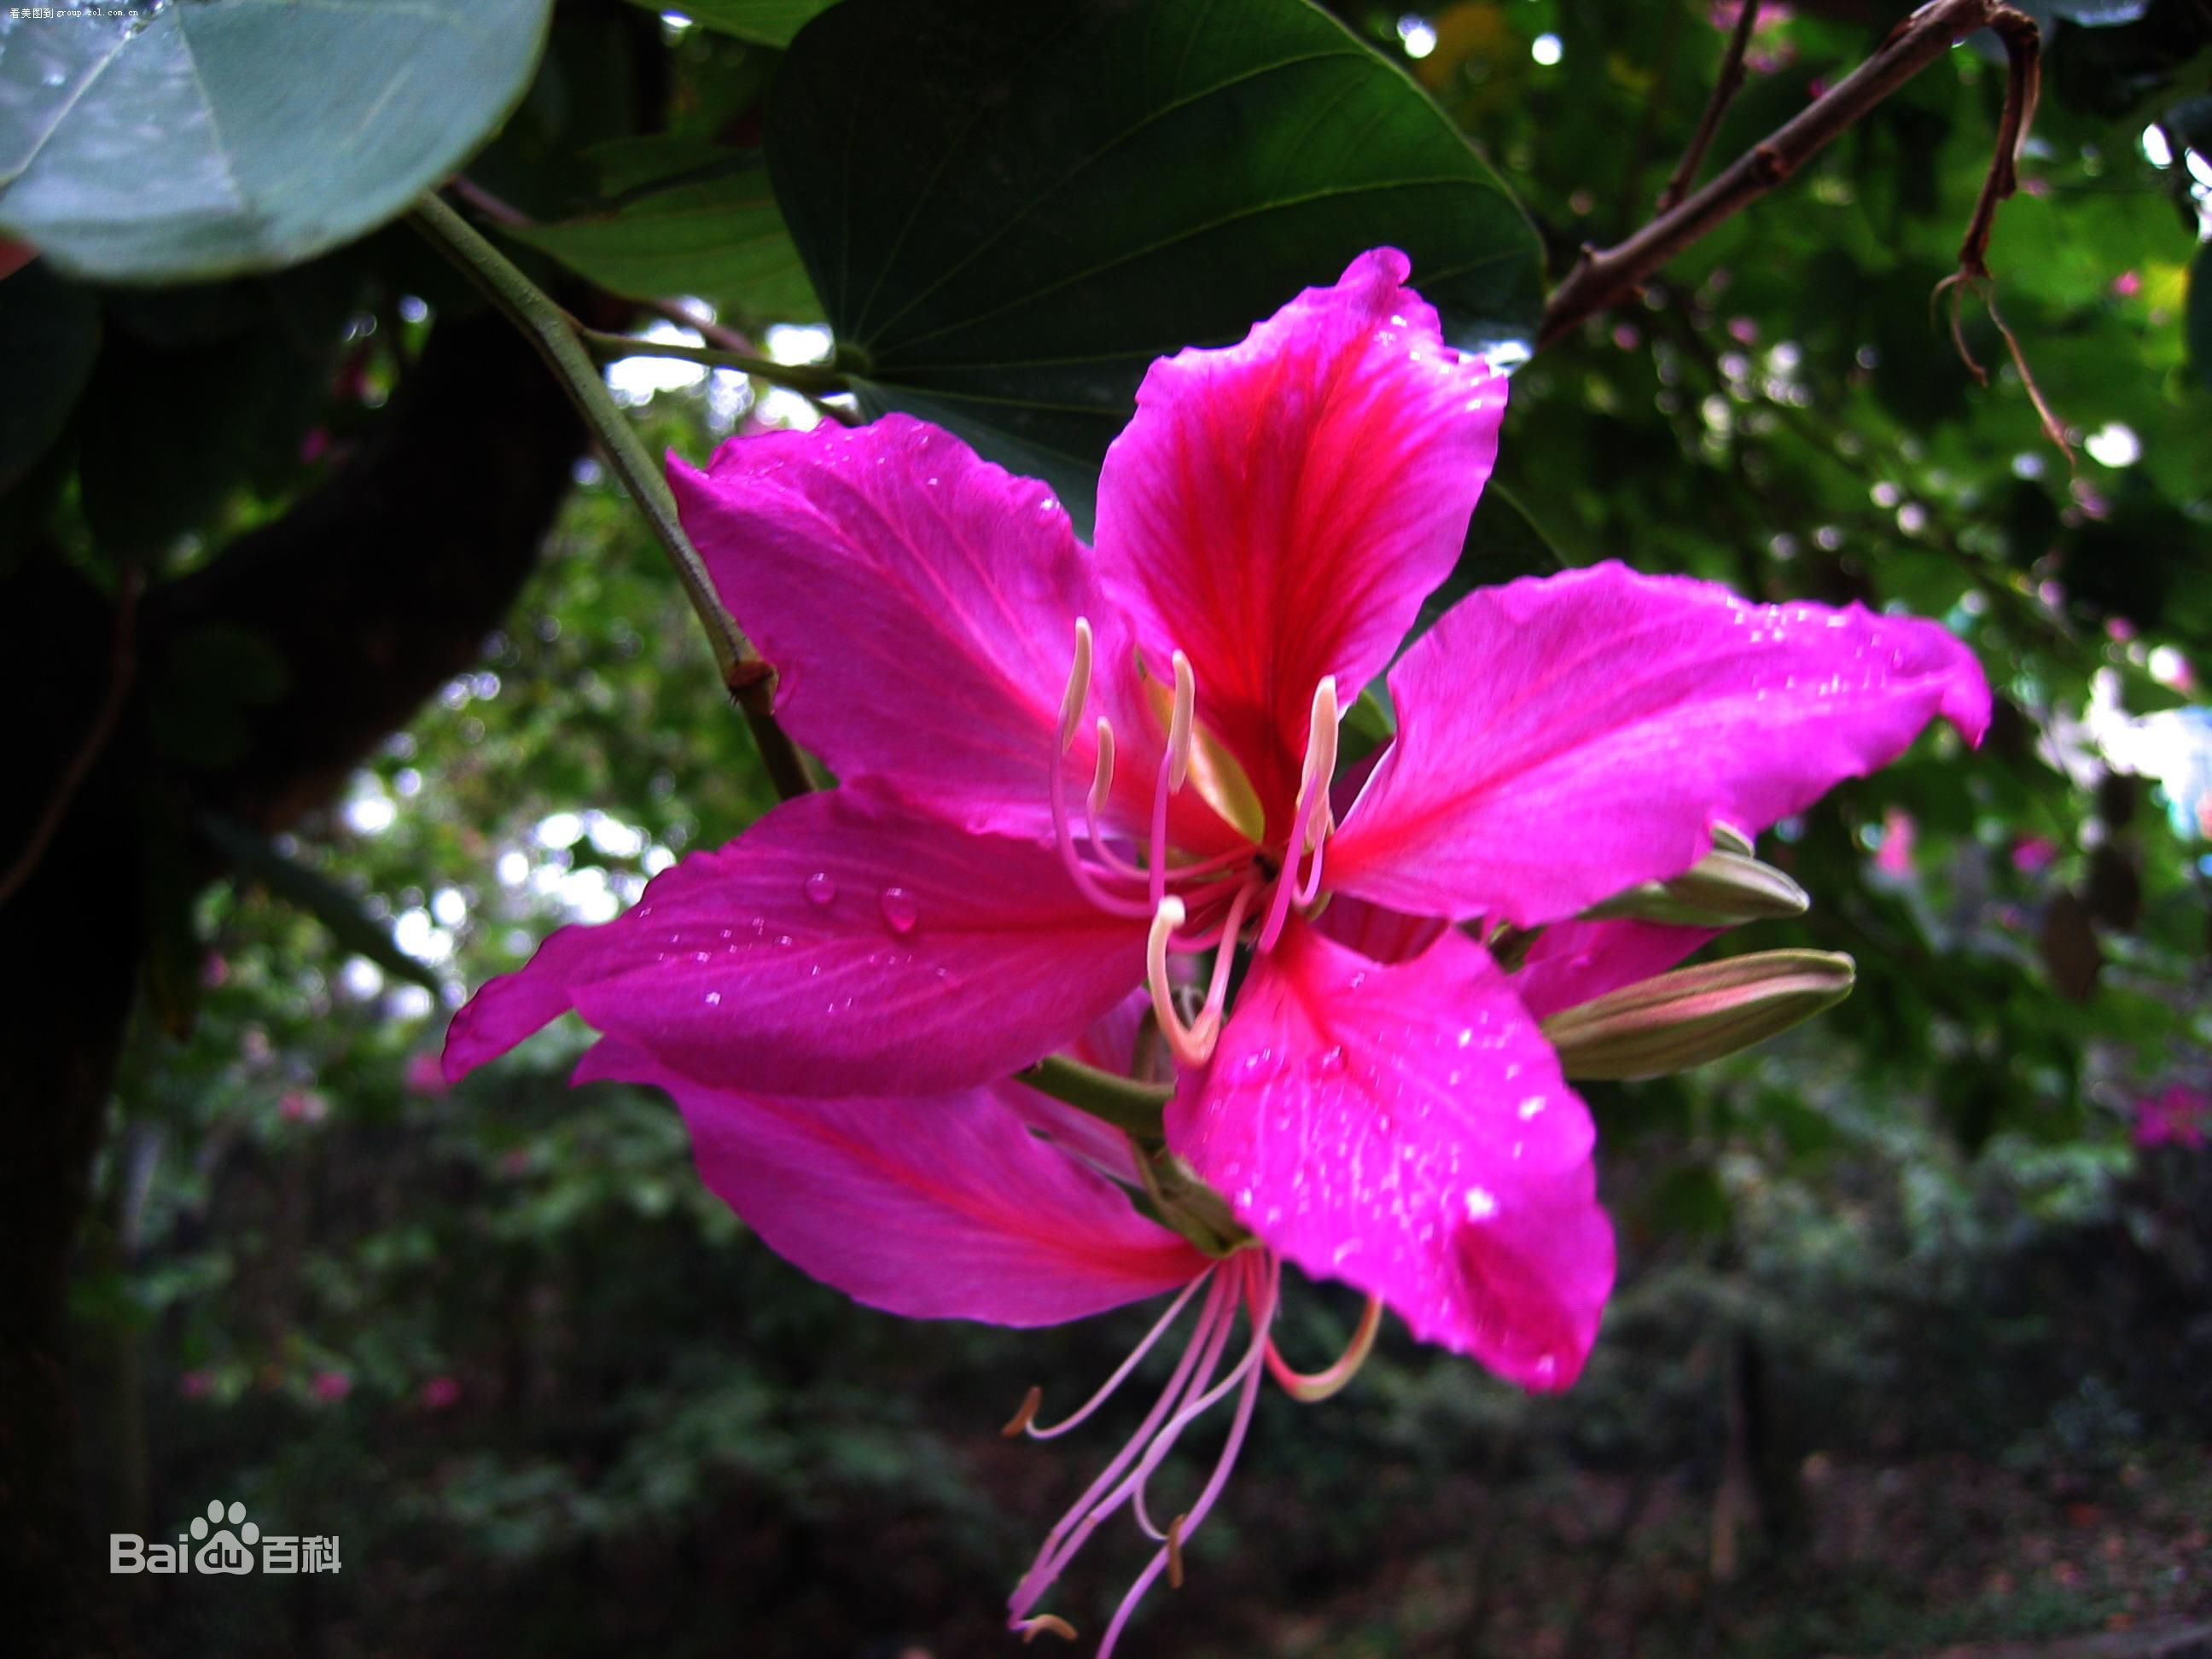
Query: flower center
(1197, 906)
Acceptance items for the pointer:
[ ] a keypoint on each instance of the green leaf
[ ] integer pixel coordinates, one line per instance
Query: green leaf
(684, 217)
(338, 907)
(246, 135)
(1502, 544)
(770, 22)
(1011, 209)
(49, 336)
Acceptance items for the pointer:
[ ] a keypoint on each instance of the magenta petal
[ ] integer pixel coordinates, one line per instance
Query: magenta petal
(1573, 963)
(919, 605)
(1404, 1128)
(1561, 739)
(844, 945)
(1280, 508)
(944, 1208)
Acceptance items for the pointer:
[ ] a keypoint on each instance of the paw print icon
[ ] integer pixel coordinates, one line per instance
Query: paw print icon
(225, 1550)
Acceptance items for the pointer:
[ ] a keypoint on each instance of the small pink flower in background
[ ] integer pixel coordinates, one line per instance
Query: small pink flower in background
(425, 1075)
(2033, 853)
(303, 1106)
(1744, 331)
(439, 1394)
(1125, 759)
(2176, 1116)
(314, 445)
(195, 1384)
(330, 1386)
(1893, 855)
(2127, 284)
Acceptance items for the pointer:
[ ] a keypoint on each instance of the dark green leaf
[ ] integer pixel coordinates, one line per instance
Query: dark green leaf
(1502, 544)
(771, 22)
(338, 907)
(1010, 209)
(49, 336)
(245, 135)
(684, 217)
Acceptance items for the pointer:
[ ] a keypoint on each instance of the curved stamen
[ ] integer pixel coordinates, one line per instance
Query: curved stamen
(1318, 1385)
(1024, 1420)
(1191, 1045)
(1068, 1534)
(1310, 813)
(1045, 1624)
(1170, 1555)
(1216, 989)
(1071, 711)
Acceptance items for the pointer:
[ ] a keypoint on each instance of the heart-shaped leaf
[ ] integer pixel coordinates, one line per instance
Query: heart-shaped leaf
(245, 135)
(684, 217)
(1009, 209)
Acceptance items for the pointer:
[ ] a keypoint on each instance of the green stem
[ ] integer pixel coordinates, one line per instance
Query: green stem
(554, 333)
(813, 378)
(1122, 1101)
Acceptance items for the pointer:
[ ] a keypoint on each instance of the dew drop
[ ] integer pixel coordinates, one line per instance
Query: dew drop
(820, 889)
(713, 998)
(899, 911)
(1481, 1205)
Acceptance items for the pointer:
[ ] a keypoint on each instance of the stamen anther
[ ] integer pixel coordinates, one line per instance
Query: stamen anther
(1042, 1623)
(1102, 777)
(1078, 683)
(1179, 722)
(1175, 1551)
(1321, 754)
(1022, 1419)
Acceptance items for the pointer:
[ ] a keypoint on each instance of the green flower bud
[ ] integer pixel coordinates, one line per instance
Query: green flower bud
(1721, 889)
(1690, 1016)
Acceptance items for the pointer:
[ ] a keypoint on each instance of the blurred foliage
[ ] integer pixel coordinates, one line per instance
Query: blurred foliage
(1907, 1319)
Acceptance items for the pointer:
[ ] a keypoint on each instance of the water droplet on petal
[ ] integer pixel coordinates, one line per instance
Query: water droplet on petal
(899, 911)
(820, 889)
(713, 998)
(1481, 1205)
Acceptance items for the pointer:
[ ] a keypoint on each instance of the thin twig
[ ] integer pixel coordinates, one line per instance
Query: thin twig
(1603, 277)
(1725, 87)
(813, 384)
(122, 667)
(800, 377)
(748, 677)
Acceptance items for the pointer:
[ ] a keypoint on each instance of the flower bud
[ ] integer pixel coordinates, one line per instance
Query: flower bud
(1690, 1016)
(1722, 889)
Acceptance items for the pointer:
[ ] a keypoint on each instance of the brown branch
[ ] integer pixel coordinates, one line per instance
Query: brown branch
(1725, 87)
(1603, 277)
(122, 667)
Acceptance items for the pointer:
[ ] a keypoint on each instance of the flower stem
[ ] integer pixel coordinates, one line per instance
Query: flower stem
(1126, 1104)
(554, 333)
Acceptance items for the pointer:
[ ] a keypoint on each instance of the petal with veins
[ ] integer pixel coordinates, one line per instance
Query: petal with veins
(844, 945)
(944, 1208)
(1280, 508)
(1561, 739)
(1404, 1127)
(919, 604)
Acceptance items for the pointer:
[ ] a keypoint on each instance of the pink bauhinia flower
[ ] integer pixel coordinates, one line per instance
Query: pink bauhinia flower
(1065, 772)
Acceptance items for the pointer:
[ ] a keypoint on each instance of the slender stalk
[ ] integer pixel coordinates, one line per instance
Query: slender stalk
(800, 377)
(1603, 277)
(747, 676)
(1122, 1101)
(1725, 87)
